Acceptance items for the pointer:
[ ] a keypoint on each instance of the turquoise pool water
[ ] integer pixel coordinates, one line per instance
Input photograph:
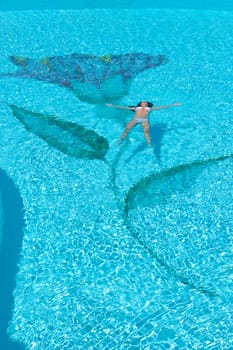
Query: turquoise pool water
(12, 224)
(13, 5)
(1, 219)
(123, 247)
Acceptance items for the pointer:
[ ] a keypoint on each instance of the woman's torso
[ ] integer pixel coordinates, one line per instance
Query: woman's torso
(142, 112)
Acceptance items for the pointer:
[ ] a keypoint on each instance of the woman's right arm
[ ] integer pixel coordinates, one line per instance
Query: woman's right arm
(121, 107)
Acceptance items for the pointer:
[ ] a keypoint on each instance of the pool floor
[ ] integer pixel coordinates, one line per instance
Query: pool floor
(123, 247)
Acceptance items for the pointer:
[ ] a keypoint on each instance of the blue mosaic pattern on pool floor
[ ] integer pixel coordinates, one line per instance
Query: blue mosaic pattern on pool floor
(130, 248)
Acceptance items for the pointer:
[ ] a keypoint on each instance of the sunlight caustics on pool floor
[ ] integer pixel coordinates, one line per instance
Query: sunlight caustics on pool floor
(123, 247)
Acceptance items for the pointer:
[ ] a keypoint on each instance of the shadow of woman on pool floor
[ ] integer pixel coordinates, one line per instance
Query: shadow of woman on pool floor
(157, 133)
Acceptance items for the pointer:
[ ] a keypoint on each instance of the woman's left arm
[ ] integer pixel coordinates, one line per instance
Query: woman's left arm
(167, 106)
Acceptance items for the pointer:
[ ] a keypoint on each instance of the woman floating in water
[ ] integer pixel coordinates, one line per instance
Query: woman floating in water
(141, 116)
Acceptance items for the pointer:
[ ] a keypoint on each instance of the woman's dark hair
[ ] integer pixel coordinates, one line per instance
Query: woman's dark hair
(149, 104)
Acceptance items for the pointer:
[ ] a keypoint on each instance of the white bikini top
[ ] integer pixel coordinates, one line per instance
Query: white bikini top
(147, 108)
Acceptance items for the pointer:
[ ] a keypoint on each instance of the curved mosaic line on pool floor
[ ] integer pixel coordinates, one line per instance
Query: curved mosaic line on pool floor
(156, 191)
(13, 223)
(77, 141)
(70, 138)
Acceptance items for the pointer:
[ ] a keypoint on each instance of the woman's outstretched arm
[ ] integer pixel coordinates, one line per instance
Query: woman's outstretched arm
(167, 106)
(121, 107)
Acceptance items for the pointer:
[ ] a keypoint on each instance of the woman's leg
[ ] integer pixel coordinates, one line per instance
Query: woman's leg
(146, 128)
(129, 126)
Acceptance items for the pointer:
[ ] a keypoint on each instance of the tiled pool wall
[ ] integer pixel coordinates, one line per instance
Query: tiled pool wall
(14, 5)
(12, 223)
